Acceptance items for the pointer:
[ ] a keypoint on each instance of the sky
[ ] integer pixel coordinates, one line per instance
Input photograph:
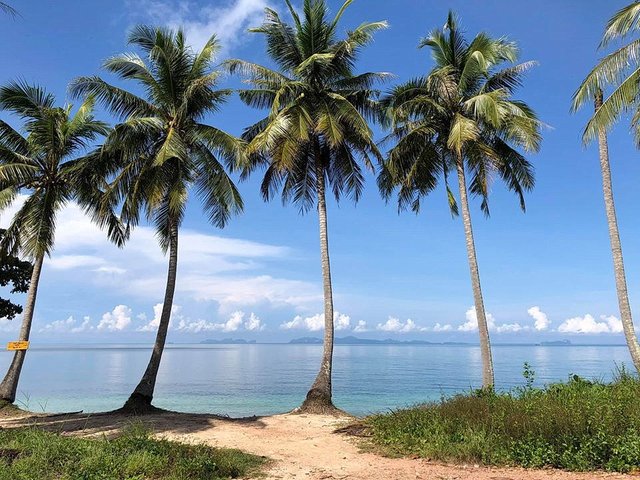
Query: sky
(546, 274)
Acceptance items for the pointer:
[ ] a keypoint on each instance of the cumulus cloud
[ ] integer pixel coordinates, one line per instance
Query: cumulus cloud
(615, 325)
(229, 20)
(254, 324)
(471, 324)
(235, 323)
(226, 271)
(360, 327)
(68, 262)
(398, 326)
(541, 320)
(153, 325)
(589, 325)
(472, 321)
(70, 325)
(442, 328)
(315, 323)
(510, 328)
(7, 325)
(117, 320)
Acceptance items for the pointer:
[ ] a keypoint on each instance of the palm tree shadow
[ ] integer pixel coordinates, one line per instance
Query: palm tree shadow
(112, 423)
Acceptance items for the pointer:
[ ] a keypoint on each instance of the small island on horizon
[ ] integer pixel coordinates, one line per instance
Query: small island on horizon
(351, 340)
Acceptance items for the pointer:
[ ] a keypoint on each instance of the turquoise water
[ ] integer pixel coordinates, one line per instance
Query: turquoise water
(243, 380)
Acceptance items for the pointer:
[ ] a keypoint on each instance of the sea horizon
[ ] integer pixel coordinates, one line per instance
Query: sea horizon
(269, 378)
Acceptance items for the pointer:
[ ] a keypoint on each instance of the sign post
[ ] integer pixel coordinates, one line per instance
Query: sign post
(20, 345)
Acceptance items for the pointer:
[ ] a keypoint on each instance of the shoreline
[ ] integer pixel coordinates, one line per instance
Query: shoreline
(298, 445)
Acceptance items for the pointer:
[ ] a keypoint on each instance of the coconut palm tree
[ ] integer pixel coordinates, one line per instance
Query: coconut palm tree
(619, 70)
(316, 131)
(44, 165)
(6, 8)
(161, 149)
(461, 119)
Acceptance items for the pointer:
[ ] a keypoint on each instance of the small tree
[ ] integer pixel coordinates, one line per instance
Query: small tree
(14, 272)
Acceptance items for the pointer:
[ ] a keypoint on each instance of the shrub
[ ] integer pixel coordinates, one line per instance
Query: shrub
(577, 425)
(33, 454)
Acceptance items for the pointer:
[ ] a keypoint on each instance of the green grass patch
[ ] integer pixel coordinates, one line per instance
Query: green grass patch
(579, 425)
(33, 454)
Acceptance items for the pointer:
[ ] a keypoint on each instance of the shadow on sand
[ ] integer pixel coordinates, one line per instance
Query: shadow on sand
(110, 423)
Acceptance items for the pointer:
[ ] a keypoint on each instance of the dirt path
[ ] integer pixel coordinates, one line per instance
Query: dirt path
(301, 447)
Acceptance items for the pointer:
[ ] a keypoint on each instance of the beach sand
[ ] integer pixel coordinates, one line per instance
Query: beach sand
(299, 446)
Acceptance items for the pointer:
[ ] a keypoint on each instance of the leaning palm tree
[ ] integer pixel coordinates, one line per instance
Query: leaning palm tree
(461, 119)
(621, 71)
(6, 8)
(161, 149)
(316, 129)
(43, 165)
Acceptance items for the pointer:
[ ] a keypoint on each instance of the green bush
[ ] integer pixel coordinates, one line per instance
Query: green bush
(33, 454)
(578, 425)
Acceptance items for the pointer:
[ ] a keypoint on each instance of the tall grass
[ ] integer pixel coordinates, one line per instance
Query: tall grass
(33, 454)
(578, 425)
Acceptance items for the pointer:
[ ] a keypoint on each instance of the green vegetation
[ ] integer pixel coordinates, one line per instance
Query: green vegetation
(161, 153)
(14, 272)
(30, 453)
(317, 139)
(579, 425)
(462, 120)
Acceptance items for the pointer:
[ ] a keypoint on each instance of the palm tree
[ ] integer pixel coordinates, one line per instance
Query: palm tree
(161, 149)
(6, 8)
(461, 118)
(45, 164)
(620, 70)
(315, 131)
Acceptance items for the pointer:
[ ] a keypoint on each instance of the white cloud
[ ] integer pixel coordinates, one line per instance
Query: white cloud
(471, 324)
(442, 328)
(315, 323)
(341, 321)
(195, 326)
(227, 271)
(235, 323)
(254, 324)
(111, 270)
(589, 325)
(153, 325)
(84, 326)
(7, 325)
(396, 325)
(228, 21)
(541, 320)
(510, 328)
(361, 326)
(615, 325)
(472, 321)
(117, 320)
(70, 325)
(68, 262)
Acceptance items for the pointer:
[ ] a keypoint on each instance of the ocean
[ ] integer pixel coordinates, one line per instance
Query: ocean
(262, 379)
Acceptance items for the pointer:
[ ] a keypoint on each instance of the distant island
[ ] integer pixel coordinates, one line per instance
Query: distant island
(228, 341)
(366, 341)
(555, 343)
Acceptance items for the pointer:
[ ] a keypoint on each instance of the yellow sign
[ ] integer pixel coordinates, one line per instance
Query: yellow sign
(21, 345)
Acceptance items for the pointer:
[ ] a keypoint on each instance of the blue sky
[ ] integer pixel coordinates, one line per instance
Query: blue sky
(259, 278)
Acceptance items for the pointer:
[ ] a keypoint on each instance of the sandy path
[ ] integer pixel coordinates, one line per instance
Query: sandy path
(301, 447)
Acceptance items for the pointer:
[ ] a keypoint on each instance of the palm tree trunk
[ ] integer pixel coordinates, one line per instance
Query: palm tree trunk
(616, 247)
(319, 396)
(140, 399)
(9, 385)
(483, 327)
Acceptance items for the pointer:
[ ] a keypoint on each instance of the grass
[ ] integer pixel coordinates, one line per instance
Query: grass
(579, 425)
(33, 454)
